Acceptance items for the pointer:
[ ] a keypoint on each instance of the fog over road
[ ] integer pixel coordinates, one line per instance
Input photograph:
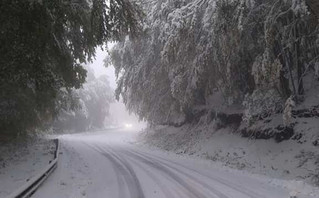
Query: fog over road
(107, 164)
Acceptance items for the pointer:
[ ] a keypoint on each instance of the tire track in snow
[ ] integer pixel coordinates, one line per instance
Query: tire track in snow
(220, 180)
(122, 168)
(188, 189)
(120, 180)
(160, 183)
(167, 170)
(134, 183)
(170, 169)
(164, 189)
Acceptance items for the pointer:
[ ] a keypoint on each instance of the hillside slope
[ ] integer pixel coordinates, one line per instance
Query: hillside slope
(264, 147)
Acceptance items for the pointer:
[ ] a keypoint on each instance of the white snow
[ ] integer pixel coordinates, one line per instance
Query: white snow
(21, 160)
(113, 164)
(288, 163)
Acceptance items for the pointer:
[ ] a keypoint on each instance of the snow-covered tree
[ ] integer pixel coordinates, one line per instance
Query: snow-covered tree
(249, 50)
(85, 108)
(43, 46)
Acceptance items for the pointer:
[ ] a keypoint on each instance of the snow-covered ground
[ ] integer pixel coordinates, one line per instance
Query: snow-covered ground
(113, 164)
(296, 158)
(21, 160)
(295, 162)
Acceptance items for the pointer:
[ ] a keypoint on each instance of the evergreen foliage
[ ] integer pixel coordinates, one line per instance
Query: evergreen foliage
(43, 46)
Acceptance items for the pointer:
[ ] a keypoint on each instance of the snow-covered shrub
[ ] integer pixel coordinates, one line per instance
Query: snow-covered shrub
(266, 72)
(178, 87)
(287, 114)
(299, 7)
(260, 104)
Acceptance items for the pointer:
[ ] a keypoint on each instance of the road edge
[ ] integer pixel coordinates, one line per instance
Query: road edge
(34, 183)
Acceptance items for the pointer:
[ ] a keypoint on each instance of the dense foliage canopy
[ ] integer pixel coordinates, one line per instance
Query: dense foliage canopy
(253, 53)
(43, 46)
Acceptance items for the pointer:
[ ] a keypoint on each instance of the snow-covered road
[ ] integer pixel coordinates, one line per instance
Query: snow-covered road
(106, 164)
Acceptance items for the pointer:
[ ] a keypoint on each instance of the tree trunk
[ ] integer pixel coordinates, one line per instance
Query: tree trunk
(300, 71)
(288, 61)
(298, 61)
(284, 82)
(284, 85)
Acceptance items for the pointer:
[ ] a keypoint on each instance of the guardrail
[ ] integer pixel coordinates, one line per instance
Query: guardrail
(33, 184)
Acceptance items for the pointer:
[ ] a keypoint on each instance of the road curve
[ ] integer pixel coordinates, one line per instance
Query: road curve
(103, 165)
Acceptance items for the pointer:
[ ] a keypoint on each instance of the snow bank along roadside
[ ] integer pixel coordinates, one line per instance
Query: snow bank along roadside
(268, 144)
(290, 164)
(21, 160)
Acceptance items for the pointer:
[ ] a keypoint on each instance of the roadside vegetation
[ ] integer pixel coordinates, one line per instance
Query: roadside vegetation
(44, 45)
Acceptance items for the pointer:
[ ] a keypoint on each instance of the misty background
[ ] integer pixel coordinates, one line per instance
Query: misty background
(117, 110)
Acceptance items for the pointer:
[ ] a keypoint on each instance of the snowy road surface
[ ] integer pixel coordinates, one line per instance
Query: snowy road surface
(106, 164)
